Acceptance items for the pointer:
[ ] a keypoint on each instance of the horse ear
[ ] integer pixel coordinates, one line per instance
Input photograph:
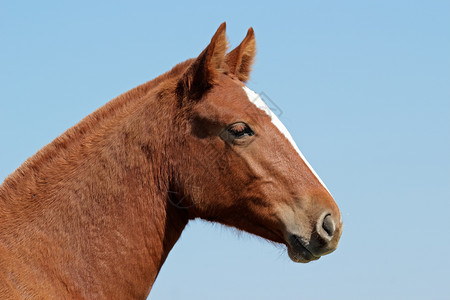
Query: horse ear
(240, 60)
(201, 74)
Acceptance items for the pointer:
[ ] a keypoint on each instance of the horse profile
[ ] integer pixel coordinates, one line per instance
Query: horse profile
(95, 213)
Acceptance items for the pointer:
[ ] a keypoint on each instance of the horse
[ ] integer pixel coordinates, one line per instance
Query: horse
(95, 213)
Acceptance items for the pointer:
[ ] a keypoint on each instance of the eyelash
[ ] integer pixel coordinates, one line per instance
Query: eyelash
(240, 133)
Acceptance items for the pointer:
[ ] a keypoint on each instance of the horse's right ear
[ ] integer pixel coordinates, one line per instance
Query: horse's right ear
(201, 74)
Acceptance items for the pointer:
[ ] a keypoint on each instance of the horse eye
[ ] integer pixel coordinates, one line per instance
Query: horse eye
(240, 130)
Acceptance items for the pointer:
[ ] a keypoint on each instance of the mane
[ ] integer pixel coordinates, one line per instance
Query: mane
(87, 124)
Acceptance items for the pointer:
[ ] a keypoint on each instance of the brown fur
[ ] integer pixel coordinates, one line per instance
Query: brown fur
(240, 60)
(95, 213)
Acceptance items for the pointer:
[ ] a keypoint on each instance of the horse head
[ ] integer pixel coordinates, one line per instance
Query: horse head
(240, 166)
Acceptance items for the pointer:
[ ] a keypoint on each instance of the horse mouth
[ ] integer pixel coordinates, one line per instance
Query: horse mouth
(298, 251)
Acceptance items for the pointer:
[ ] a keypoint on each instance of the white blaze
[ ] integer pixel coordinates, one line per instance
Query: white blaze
(256, 100)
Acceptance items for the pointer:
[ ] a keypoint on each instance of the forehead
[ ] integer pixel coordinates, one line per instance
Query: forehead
(230, 102)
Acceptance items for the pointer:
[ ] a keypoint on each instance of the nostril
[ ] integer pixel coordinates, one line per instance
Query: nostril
(328, 225)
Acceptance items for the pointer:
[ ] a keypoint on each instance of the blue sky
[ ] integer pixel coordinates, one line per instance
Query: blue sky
(364, 87)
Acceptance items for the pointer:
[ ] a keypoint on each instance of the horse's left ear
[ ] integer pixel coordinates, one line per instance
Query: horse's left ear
(240, 60)
(205, 68)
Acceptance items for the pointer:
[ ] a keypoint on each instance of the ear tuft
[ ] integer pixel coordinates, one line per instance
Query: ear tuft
(240, 60)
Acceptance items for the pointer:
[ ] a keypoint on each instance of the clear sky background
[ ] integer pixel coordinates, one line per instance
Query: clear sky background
(364, 87)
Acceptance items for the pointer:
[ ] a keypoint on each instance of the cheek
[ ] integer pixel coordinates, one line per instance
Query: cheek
(225, 175)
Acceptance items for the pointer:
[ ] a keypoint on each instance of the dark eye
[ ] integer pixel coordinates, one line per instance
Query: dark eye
(239, 130)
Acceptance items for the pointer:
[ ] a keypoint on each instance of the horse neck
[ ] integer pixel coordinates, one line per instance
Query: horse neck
(93, 205)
